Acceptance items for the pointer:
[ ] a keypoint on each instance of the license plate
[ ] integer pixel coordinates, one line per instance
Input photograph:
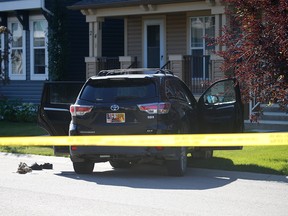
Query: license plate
(115, 118)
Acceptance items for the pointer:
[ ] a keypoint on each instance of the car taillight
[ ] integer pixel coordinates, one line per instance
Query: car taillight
(74, 148)
(155, 108)
(78, 110)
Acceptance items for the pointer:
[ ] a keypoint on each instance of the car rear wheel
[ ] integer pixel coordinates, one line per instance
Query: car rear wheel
(83, 167)
(120, 164)
(178, 167)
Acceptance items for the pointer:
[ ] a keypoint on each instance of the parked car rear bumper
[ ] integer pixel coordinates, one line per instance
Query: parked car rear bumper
(104, 153)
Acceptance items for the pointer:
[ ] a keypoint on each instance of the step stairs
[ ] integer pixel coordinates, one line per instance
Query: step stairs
(273, 119)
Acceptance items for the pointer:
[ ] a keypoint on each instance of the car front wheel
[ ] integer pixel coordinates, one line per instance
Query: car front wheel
(178, 167)
(83, 167)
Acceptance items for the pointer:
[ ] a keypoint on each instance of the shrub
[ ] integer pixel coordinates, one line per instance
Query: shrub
(16, 111)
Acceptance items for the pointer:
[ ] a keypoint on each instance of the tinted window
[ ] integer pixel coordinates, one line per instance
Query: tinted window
(64, 93)
(170, 89)
(113, 90)
(221, 93)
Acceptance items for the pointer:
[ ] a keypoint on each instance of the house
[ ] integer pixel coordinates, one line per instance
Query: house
(145, 33)
(164, 34)
(27, 67)
(159, 33)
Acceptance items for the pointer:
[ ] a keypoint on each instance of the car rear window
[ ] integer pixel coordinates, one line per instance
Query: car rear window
(117, 90)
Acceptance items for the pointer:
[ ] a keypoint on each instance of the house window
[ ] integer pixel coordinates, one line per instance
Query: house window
(201, 28)
(38, 28)
(17, 55)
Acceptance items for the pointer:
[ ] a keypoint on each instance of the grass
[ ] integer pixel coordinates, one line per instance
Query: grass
(20, 129)
(36, 150)
(260, 159)
(23, 129)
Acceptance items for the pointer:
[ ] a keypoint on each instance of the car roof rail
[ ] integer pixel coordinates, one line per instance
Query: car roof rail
(134, 71)
(164, 71)
(119, 72)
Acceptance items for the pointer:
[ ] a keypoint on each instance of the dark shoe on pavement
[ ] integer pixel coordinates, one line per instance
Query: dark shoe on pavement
(36, 166)
(47, 166)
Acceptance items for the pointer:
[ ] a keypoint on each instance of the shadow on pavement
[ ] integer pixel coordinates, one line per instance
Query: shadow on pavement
(155, 177)
(150, 177)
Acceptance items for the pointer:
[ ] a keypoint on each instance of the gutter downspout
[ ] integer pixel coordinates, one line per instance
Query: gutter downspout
(45, 9)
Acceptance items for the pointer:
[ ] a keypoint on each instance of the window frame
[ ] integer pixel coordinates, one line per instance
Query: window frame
(203, 48)
(204, 32)
(34, 76)
(22, 76)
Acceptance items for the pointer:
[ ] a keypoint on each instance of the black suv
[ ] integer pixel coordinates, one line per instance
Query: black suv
(144, 101)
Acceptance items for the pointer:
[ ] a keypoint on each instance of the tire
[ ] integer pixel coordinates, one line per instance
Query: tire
(83, 167)
(178, 167)
(118, 164)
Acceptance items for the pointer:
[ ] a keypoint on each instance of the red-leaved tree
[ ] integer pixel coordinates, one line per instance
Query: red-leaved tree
(256, 48)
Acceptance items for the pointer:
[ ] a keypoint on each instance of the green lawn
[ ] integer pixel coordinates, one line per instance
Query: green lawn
(37, 150)
(262, 159)
(23, 129)
(20, 129)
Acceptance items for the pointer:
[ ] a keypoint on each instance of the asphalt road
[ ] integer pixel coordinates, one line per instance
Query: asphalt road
(142, 190)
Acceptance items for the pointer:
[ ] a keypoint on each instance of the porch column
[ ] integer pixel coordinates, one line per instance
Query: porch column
(95, 44)
(125, 61)
(91, 66)
(176, 65)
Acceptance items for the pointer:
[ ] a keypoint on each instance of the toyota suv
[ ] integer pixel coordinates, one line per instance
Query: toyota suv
(139, 101)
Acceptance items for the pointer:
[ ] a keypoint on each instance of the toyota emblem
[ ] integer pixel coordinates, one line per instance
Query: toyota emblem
(114, 107)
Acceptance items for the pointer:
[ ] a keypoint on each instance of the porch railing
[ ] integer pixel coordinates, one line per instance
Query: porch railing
(197, 72)
(107, 63)
(134, 63)
(167, 65)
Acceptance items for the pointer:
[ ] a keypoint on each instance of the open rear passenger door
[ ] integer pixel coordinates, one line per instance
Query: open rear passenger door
(54, 114)
(220, 108)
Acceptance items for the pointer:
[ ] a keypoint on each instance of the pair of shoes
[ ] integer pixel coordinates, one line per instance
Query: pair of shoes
(23, 168)
(36, 166)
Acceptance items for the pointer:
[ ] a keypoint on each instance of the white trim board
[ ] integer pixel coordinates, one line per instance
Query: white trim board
(20, 5)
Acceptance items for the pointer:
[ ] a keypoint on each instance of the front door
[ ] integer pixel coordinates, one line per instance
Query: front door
(153, 44)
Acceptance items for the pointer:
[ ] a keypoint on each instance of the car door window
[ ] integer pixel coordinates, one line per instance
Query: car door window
(220, 93)
(169, 89)
(187, 94)
(180, 93)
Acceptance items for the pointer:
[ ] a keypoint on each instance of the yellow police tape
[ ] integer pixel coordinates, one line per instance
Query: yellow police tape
(194, 140)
